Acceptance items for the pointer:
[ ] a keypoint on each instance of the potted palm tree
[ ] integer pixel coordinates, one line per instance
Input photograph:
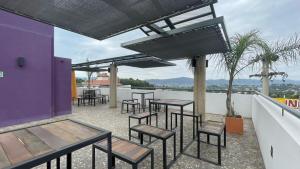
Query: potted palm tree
(234, 62)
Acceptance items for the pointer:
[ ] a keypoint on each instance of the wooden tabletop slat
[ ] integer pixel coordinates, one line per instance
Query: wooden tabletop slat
(4, 162)
(147, 129)
(14, 148)
(64, 135)
(33, 143)
(76, 129)
(50, 139)
(137, 152)
(125, 148)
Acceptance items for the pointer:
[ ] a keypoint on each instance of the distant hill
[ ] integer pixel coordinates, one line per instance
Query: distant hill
(186, 82)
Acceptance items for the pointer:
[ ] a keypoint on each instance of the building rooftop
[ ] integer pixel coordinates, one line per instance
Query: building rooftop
(241, 151)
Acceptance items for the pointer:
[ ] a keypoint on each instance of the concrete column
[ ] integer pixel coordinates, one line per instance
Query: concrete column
(265, 78)
(113, 86)
(200, 85)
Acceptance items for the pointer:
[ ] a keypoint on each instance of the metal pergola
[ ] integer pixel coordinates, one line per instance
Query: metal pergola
(202, 38)
(134, 60)
(101, 19)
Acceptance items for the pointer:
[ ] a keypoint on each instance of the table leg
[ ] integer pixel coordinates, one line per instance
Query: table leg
(164, 154)
(219, 150)
(143, 102)
(58, 163)
(69, 160)
(181, 129)
(49, 165)
(225, 136)
(109, 153)
(166, 116)
(152, 160)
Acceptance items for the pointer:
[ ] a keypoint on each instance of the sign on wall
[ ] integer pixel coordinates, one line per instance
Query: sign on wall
(293, 103)
(1, 74)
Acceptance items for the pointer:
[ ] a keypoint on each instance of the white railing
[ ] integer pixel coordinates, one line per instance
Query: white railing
(215, 102)
(278, 133)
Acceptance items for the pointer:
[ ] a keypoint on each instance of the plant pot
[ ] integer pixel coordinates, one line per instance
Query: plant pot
(234, 125)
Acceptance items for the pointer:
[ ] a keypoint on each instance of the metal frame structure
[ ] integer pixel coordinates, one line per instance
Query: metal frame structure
(180, 43)
(127, 60)
(170, 103)
(67, 150)
(131, 13)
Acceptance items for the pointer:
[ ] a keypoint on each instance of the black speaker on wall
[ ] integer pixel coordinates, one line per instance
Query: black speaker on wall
(21, 61)
(193, 62)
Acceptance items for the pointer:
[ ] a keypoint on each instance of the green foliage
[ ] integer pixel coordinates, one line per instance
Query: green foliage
(135, 82)
(79, 80)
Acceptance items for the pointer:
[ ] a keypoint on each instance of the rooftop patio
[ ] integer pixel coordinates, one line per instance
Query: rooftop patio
(241, 151)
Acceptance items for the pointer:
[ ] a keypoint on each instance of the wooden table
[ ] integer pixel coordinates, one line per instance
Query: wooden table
(179, 103)
(29, 147)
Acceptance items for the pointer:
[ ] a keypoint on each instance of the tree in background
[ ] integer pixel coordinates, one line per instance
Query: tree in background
(135, 82)
(285, 51)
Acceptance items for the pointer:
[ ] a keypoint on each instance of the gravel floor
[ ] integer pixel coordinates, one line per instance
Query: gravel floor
(242, 152)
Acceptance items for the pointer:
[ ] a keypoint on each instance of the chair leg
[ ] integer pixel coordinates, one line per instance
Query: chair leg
(141, 138)
(208, 138)
(152, 159)
(174, 146)
(219, 150)
(69, 161)
(198, 144)
(93, 157)
(171, 121)
(134, 166)
(156, 120)
(129, 134)
(176, 121)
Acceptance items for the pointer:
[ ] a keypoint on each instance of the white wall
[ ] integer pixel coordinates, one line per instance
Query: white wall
(280, 132)
(215, 102)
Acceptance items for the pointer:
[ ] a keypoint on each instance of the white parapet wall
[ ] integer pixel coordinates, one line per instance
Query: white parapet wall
(281, 132)
(215, 102)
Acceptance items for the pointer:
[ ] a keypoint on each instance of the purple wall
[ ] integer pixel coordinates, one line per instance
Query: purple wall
(27, 92)
(62, 86)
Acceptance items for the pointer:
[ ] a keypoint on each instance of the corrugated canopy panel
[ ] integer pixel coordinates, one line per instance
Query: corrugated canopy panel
(198, 39)
(149, 62)
(100, 19)
(89, 69)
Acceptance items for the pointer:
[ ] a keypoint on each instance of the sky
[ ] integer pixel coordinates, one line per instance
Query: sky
(275, 20)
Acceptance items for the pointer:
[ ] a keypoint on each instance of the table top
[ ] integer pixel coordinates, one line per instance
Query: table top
(32, 145)
(173, 102)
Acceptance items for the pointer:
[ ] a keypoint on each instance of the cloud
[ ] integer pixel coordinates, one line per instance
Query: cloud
(275, 20)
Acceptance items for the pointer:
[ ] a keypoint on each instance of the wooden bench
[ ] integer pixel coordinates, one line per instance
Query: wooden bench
(125, 150)
(158, 133)
(132, 103)
(141, 116)
(212, 128)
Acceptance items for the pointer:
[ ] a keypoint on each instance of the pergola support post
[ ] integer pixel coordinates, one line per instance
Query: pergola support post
(200, 85)
(113, 86)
